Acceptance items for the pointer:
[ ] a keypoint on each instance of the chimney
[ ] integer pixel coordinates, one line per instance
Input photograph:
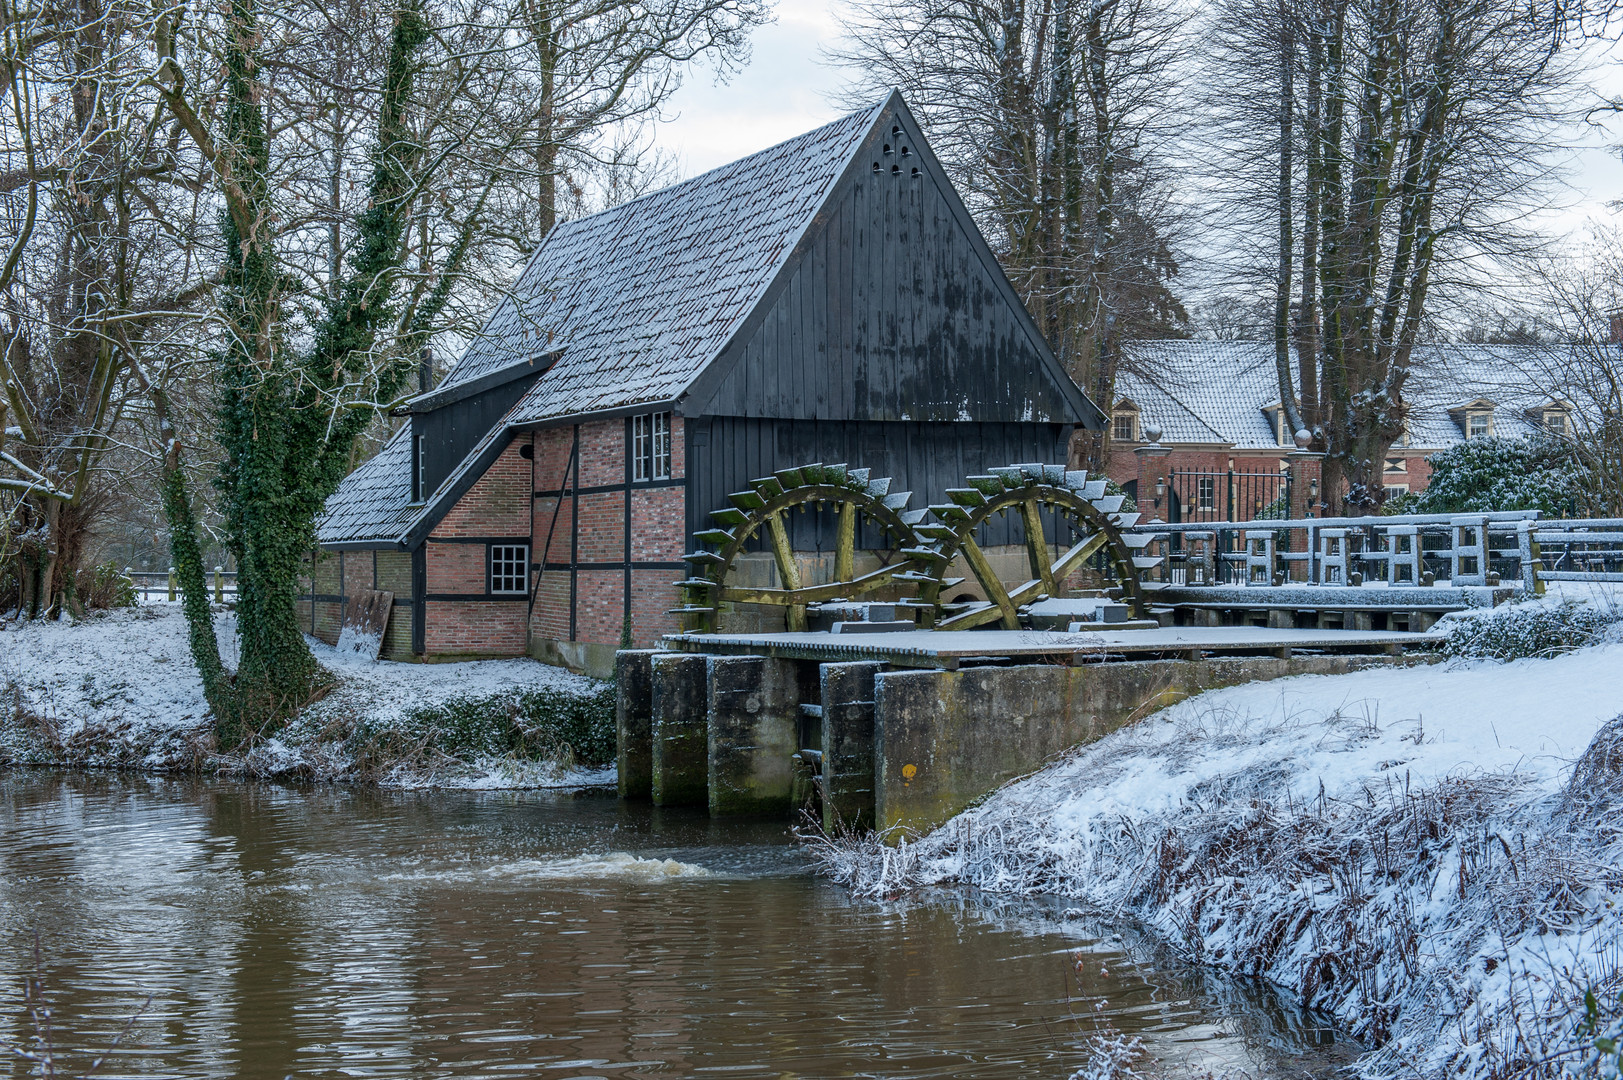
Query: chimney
(425, 370)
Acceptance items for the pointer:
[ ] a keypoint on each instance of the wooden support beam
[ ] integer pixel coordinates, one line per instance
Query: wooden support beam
(788, 572)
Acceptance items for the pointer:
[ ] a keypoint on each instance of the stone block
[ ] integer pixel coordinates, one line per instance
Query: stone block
(680, 711)
(754, 717)
(848, 745)
(634, 722)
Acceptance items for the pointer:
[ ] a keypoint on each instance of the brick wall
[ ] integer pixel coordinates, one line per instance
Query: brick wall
(337, 575)
(585, 559)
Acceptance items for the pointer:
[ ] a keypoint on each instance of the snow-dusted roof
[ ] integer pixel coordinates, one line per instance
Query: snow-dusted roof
(641, 297)
(634, 301)
(373, 502)
(1216, 391)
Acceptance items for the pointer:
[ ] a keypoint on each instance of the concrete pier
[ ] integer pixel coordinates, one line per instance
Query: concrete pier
(848, 745)
(754, 711)
(634, 722)
(680, 716)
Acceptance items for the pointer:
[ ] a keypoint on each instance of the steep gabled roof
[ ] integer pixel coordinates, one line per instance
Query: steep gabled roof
(1216, 391)
(639, 298)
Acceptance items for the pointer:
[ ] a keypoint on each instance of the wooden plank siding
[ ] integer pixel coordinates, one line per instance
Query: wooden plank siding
(892, 311)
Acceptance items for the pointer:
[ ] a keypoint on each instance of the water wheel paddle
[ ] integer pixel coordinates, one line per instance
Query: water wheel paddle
(761, 510)
(1075, 503)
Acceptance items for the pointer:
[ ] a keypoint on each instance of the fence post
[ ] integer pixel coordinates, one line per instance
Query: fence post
(171, 584)
(1530, 557)
(219, 585)
(1230, 515)
(129, 572)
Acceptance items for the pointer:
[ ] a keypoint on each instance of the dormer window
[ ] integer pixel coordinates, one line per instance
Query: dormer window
(1557, 422)
(1475, 418)
(1124, 425)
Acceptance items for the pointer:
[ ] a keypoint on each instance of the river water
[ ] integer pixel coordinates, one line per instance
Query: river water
(266, 931)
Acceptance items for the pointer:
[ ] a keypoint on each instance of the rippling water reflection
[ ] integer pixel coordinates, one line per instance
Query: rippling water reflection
(340, 932)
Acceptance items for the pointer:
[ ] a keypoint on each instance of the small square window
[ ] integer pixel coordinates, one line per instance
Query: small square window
(1556, 422)
(1124, 427)
(509, 568)
(651, 447)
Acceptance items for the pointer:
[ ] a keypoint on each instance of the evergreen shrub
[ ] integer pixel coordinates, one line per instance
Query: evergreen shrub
(532, 725)
(1489, 474)
(1519, 631)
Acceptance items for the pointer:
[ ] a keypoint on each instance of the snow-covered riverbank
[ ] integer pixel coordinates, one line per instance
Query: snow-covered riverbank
(1409, 850)
(119, 689)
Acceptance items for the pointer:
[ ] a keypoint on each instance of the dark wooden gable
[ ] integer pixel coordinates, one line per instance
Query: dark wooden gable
(893, 308)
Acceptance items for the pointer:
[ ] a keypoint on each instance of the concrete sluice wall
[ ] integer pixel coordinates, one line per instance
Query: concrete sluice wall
(902, 749)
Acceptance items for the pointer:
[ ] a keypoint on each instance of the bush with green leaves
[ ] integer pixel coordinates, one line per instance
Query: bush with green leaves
(529, 725)
(1520, 631)
(1489, 474)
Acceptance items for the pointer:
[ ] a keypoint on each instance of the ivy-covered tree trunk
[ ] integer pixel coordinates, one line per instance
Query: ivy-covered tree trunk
(286, 421)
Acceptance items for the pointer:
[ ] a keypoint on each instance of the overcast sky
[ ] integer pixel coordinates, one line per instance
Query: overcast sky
(787, 89)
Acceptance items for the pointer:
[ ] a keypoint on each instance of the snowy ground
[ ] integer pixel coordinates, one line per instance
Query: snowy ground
(120, 689)
(1406, 849)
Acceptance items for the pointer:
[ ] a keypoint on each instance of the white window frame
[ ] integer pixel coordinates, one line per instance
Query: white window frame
(1132, 426)
(1205, 493)
(1558, 422)
(507, 569)
(651, 447)
(1471, 422)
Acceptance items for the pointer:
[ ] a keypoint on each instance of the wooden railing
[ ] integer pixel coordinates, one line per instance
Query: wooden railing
(1402, 550)
(165, 585)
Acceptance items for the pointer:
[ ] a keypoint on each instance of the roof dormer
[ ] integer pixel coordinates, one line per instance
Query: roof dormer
(1124, 426)
(1475, 417)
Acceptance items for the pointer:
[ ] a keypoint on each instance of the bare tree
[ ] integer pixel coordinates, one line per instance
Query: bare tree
(1398, 143)
(1051, 116)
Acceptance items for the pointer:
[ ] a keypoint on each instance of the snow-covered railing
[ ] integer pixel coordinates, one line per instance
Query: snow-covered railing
(1402, 550)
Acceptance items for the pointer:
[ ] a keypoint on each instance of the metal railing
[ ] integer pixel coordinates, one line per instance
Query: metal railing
(165, 585)
(1402, 550)
(1217, 495)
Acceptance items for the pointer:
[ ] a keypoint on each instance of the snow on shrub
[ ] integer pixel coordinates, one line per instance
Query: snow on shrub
(1483, 475)
(1521, 631)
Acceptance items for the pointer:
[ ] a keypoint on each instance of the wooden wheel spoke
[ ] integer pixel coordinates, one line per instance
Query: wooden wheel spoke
(1037, 545)
(989, 581)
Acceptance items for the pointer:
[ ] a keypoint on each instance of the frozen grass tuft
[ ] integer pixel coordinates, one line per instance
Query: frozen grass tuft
(1427, 856)
(1535, 629)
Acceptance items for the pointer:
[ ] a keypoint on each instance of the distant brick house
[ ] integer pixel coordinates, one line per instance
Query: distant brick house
(825, 300)
(1217, 405)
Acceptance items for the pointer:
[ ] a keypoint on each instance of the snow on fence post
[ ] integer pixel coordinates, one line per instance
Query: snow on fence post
(219, 585)
(1528, 545)
(171, 584)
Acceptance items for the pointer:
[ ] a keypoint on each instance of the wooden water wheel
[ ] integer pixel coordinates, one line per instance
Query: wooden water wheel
(1077, 505)
(763, 510)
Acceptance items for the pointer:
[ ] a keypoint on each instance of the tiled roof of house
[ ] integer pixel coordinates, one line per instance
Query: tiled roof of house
(641, 297)
(1216, 391)
(636, 299)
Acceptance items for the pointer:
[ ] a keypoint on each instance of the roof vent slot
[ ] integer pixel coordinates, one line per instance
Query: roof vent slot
(889, 149)
(895, 170)
(896, 131)
(916, 173)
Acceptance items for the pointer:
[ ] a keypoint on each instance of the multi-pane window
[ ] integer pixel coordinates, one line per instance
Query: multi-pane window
(1478, 425)
(509, 568)
(1206, 492)
(651, 447)
(1555, 422)
(1123, 428)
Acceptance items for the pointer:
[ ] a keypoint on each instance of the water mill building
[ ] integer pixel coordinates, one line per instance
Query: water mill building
(827, 299)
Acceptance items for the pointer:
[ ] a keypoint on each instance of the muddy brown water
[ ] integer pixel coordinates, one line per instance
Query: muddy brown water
(266, 931)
